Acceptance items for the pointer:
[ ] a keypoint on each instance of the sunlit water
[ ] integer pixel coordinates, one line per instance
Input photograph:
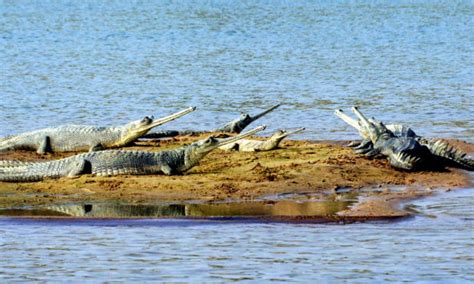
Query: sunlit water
(435, 246)
(111, 62)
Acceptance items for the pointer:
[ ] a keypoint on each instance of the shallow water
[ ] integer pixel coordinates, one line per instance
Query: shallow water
(108, 63)
(112, 62)
(250, 209)
(434, 246)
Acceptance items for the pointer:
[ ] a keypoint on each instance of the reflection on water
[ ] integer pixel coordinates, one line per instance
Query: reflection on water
(434, 250)
(234, 209)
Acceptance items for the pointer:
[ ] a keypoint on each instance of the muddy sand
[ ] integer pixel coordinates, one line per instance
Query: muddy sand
(298, 167)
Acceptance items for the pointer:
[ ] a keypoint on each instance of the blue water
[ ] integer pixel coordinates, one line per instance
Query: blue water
(111, 62)
(436, 246)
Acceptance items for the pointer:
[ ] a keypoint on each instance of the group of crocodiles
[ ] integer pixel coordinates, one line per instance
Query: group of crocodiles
(402, 147)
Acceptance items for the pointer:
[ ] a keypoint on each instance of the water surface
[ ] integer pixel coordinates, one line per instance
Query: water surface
(435, 246)
(112, 62)
(106, 63)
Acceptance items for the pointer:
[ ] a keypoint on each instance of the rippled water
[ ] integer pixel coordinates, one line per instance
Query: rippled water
(111, 62)
(106, 63)
(434, 246)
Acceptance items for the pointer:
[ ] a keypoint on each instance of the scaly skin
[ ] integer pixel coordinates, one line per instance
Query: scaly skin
(246, 145)
(403, 148)
(234, 126)
(68, 138)
(118, 162)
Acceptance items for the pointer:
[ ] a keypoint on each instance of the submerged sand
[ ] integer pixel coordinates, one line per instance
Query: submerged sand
(297, 167)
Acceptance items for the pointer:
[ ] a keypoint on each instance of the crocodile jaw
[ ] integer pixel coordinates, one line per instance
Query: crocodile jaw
(347, 119)
(203, 147)
(225, 141)
(239, 124)
(352, 122)
(136, 129)
(158, 122)
(283, 134)
(270, 109)
(370, 128)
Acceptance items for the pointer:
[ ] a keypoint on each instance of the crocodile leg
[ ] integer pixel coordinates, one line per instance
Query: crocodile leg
(353, 144)
(372, 153)
(78, 168)
(167, 170)
(363, 150)
(45, 146)
(364, 144)
(96, 147)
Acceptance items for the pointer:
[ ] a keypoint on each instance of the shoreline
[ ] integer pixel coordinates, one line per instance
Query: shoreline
(297, 168)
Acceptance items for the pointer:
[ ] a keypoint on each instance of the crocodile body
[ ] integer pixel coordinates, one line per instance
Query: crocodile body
(235, 126)
(402, 146)
(83, 137)
(247, 145)
(117, 162)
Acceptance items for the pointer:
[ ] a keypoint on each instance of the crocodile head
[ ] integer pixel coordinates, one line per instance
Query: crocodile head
(281, 134)
(237, 125)
(352, 122)
(371, 128)
(397, 129)
(138, 128)
(197, 150)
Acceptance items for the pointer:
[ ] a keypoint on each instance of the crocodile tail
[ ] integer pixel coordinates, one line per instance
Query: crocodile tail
(6, 145)
(2, 139)
(10, 143)
(32, 171)
(18, 174)
(13, 163)
(444, 150)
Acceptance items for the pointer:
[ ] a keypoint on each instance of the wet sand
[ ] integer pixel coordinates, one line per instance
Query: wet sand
(297, 167)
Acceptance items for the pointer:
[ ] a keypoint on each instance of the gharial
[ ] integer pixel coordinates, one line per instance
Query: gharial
(68, 138)
(234, 126)
(117, 162)
(402, 146)
(247, 145)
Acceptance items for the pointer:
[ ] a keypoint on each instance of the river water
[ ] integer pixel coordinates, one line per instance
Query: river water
(435, 246)
(111, 62)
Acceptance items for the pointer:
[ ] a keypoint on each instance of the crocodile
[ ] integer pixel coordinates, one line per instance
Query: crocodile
(118, 162)
(246, 145)
(234, 126)
(402, 146)
(68, 138)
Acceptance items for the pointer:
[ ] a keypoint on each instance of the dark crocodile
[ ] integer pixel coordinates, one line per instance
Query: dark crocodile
(234, 126)
(117, 162)
(402, 146)
(83, 137)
